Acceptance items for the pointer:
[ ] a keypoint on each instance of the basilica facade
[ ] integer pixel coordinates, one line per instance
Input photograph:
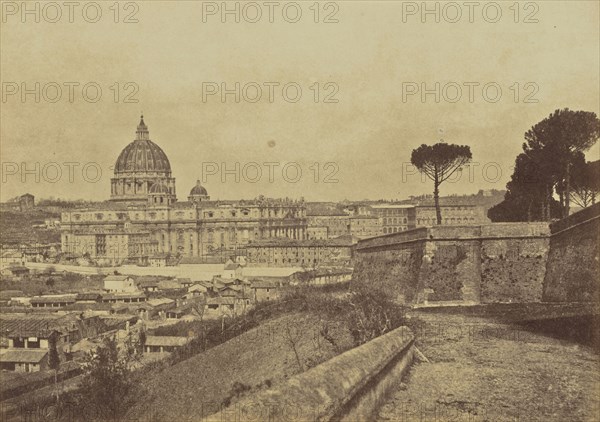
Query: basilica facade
(143, 217)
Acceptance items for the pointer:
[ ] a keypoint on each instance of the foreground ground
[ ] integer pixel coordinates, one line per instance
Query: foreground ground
(255, 360)
(481, 370)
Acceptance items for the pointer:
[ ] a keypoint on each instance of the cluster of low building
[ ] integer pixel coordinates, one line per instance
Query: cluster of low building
(26, 340)
(73, 322)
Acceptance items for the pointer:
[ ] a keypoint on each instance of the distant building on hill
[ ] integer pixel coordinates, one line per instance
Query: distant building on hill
(21, 203)
(301, 253)
(335, 223)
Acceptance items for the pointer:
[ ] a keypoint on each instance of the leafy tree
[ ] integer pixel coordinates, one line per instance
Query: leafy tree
(107, 388)
(557, 142)
(53, 359)
(551, 163)
(142, 340)
(528, 196)
(439, 162)
(585, 180)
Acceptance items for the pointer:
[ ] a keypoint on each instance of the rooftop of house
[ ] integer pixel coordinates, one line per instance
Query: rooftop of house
(169, 285)
(89, 296)
(185, 280)
(224, 281)
(167, 341)
(86, 306)
(68, 298)
(36, 325)
(181, 309)
(132, 306)
(132, 295)
(264, 284)
(23, 356)
(160, 301)
(231, 287)
(221, 301)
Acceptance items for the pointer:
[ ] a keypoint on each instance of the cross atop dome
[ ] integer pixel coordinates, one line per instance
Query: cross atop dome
(142, 133)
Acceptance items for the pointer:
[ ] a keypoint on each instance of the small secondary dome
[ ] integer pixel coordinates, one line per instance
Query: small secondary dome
(198, 189)
(158, 188)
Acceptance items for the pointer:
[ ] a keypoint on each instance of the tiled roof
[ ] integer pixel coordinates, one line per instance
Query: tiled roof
(160, 301)
(221, 301)
(184, 280)
(54, 299)
(23, 355)
(167, 341)
(35, 326)
(231, 287)
(108, 296)
(169, 284)
(89, 296)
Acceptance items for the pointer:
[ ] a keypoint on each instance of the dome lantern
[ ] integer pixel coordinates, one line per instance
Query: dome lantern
(142, 133)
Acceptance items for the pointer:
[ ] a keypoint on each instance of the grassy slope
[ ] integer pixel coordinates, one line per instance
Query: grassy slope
(72, 283)
(17, 227)
(261, 357)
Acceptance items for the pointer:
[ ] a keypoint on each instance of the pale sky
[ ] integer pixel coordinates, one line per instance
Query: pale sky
(373, 55)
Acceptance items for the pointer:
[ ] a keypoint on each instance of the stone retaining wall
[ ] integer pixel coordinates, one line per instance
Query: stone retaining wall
(500, 262)
(492, 263)
(573, 270)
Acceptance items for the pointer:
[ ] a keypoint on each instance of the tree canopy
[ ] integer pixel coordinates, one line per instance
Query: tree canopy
(439, 162)
(551, 162)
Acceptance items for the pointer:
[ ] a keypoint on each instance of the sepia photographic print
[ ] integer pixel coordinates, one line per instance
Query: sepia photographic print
(300, 211)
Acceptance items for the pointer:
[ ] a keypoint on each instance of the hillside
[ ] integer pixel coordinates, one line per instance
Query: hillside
(17, 227)
(257, 359)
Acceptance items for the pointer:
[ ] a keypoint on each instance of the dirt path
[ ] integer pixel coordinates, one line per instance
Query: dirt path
(485, 371)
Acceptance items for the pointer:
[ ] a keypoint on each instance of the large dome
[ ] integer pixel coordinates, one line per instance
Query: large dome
(142, 155)
(141, 169)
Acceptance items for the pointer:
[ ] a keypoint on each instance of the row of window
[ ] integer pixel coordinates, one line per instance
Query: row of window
(397, 211)
(451, 220)
(395, 220)
(389, 230)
